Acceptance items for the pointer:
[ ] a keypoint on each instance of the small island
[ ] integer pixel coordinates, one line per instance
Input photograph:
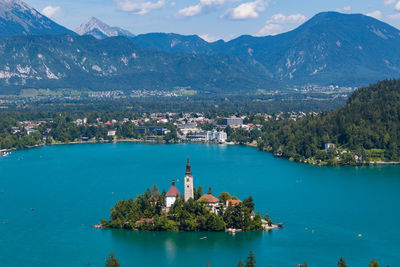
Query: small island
(192, 212)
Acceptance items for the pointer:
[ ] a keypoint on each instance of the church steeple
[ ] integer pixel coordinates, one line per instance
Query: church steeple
(188, 169)
(188, 182)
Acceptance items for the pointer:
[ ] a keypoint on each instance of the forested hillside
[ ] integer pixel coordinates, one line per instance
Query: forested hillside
(368, 126)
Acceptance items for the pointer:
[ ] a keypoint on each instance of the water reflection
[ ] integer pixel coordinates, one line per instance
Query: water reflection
(172, 242)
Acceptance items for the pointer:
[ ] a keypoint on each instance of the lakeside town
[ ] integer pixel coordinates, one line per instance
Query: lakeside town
(169, 127)
(146, 127)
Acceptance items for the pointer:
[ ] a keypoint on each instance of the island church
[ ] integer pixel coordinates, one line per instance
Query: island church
(173, 192)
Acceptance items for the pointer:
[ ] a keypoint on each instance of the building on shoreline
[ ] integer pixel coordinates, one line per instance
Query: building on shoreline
(207, 137)
(159, 130)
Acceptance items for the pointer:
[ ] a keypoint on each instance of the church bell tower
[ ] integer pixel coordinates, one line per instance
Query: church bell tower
(188, 182)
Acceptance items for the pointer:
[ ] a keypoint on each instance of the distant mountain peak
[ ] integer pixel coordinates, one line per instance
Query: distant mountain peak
(95, 27)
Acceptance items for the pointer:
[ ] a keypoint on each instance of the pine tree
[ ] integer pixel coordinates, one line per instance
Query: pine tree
(341, 263)
(373, 263)
(251, 260)
(240, 264)
(112, 261)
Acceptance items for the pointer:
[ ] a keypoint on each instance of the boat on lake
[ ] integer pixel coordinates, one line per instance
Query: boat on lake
(4, 153)
(280, 225)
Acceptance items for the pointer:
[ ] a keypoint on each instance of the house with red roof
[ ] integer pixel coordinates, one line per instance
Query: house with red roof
(171, 196)
(211, 201)
(233, 202)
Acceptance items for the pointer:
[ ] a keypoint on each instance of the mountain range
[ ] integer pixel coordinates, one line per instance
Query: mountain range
(330, 48)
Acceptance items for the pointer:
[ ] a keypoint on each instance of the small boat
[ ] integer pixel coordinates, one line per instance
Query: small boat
(98, 226)
(280, 225)
(204, 237)
(4, 153)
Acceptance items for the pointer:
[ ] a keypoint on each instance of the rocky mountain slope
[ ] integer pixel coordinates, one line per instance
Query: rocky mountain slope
(17, 18)
(83, 62)
(330, 48)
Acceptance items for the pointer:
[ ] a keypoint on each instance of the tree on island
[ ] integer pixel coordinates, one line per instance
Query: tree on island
(197, 193)
(240, 264)
(112, 261)
(268, 219)
(248, 202)
(223, 197)
(341, 263)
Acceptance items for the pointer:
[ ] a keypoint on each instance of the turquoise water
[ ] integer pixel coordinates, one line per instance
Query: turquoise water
(72, 187)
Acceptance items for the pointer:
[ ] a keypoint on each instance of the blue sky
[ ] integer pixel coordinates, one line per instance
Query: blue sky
(211, 19)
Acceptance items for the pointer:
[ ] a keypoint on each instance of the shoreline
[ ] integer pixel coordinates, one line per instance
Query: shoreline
(375, 163)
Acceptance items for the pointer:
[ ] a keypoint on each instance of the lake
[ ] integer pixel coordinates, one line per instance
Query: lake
(72, 187)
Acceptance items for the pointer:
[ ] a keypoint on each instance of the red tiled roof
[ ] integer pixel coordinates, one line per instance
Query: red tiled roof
(208, 198)
(233, 202)
(173, 192)
(152, 199)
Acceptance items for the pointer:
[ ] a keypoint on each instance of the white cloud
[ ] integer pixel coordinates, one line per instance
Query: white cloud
(280, 18)
(212, 2)
(209, 38)
(279, 22)
(270, 29)
(190, 11)
(346, 9)
(394, 16)
(249, 10)
(52, 12)
(389, 2)
(199, 8)
(397, 6)
(375, 14)
(139, 7)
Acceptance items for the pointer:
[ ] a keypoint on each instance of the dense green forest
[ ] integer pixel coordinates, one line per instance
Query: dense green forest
(366, 129)
(147, 213)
